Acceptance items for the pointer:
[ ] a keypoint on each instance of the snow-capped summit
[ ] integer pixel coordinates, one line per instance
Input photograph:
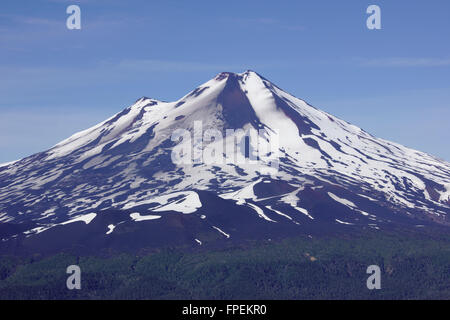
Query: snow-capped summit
(305, 169)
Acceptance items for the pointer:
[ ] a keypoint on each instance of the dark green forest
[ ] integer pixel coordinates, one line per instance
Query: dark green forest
(414, 265)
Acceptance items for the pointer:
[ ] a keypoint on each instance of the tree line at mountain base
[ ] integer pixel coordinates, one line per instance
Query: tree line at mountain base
(414, 265)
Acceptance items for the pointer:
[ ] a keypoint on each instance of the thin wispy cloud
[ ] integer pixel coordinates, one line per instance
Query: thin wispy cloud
(264, 22)
(405, 62)
(27, 20)
(171, 65)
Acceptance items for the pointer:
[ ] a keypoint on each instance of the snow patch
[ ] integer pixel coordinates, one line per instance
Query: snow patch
(445, 196)
(188, 203)
(7, 163)
(111, 228)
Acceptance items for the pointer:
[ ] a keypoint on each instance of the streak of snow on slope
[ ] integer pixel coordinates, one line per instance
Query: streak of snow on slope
(222, 232)
(5, 218)
(279, 212)
(87, 218)
(347, 203)
(367, 197)
(260, 212)
(342, 222)
(136, 216)
(304, 211)
(38, 230)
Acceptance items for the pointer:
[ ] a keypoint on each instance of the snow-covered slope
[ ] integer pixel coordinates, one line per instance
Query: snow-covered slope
(327, 170)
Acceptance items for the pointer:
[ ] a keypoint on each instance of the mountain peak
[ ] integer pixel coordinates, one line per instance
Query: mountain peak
(226, 74)
(328, 170)
(147, 100)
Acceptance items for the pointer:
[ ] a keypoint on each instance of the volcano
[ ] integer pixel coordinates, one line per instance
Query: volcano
(117, 185)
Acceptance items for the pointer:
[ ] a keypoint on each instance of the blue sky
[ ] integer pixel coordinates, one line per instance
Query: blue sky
(393, 82)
